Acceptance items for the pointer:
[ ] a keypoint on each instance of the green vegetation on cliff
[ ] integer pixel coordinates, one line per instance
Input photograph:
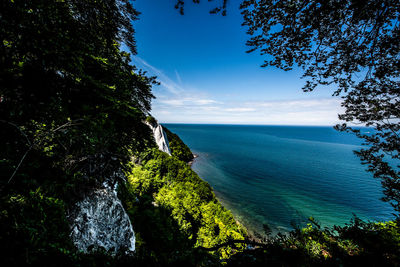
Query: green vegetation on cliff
(178, 148)
(185, 213)
(71, 115)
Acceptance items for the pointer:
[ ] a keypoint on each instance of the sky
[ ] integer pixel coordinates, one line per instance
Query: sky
(206, 76)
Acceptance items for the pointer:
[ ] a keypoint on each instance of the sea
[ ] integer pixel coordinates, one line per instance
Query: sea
(281, 176)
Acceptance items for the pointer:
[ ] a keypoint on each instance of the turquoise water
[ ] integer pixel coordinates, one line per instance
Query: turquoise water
(280, 175)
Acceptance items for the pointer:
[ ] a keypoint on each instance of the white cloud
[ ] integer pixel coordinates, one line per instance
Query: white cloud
(175, 102)
(239, 109)
(175, 96)
(293, 112)
(204, 101)
(178, 77)
(163, 79)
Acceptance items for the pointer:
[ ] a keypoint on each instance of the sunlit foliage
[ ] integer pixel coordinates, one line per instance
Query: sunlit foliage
(168, 185)
(178, 148)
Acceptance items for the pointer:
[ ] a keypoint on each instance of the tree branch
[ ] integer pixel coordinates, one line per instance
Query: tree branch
(37, 141)
(19, 129)
(234, 242)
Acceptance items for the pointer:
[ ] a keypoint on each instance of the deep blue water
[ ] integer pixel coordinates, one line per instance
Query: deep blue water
(281, 175)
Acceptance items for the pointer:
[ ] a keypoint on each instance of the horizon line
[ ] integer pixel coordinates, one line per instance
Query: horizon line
(244, 124)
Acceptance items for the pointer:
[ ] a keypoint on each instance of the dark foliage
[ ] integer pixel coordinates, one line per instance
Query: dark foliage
(357, 244)
(180, 5)
(71, 114)
(151, 120)
(352, 45)
(69, 99)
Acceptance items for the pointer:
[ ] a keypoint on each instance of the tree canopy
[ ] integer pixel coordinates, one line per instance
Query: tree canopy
(71, 114)
(352, 46)
(68, 94)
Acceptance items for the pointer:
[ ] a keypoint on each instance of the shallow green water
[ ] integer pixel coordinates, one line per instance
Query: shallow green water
(280, 175)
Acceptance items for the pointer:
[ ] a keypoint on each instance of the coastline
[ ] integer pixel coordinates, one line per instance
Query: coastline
(266, 183)
(254, 234)
(251, 234)
(193, 160)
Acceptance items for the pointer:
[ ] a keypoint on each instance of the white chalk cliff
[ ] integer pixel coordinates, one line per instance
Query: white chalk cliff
(160, 137)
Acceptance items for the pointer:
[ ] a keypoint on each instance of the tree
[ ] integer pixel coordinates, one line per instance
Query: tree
(180, 5)
(352, 45)
(69, 98)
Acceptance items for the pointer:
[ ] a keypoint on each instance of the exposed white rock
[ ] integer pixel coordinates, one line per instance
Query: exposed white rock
(101, 221)
(160, 137)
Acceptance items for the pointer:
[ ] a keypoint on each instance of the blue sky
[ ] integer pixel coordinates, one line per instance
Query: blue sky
(206, 75)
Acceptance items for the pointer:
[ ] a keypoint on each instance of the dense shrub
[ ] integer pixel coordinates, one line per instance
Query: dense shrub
(178, 148)
(357, 244)
(180, 207)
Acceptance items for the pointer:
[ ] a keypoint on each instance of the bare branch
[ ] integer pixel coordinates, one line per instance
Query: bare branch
(19, 129)
(37, 141)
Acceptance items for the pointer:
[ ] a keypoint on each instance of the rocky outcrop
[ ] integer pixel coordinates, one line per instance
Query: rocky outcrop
(99, 220)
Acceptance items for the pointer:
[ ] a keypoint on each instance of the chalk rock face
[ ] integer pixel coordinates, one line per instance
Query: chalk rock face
(101, 221)
(161, 138)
